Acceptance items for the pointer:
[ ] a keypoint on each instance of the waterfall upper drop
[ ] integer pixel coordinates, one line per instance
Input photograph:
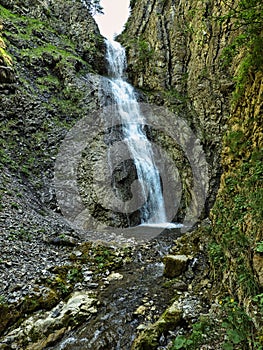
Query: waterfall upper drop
(123, 99)
(116, 58)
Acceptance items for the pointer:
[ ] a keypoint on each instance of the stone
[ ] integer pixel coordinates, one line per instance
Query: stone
(93, 285)
(174, 265)
(141, 327)
(51, 339)
(149, 337)
(140, 310)
(34, 128)
(49, 326)
(114, 276)
(77, 253)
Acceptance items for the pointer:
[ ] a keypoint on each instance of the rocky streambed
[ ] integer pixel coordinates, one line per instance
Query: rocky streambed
(108, 296)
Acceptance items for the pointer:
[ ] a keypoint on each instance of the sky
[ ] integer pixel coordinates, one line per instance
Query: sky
(116, 13)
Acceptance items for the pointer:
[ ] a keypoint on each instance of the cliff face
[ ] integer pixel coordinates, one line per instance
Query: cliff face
(174, 54)
(236, 248)
(44, 89)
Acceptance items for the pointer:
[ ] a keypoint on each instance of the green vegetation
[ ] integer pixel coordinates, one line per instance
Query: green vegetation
(47, 65)
(144, 52)
(201, 332)
(100, 257)
(259, 248)
(231, 329)
(235, 238)
(21, 234)
(93, 6)
(4, 56)
(247, 19)
(236, 235)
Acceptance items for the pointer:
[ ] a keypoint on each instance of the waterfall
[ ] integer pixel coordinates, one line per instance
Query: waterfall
(123, 98)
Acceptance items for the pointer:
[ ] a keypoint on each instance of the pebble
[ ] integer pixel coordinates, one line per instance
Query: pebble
(141, 327)
(77, 253)
(92, 285)
(114, 276)
(140, 310)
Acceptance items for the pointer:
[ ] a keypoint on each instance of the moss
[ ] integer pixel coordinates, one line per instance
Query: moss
(64, 279)
(48, 83)
(100, 257)
(8, 315)
(248, 42)
(146, 341)
(5, 58)
(237, 213)
(52, 56)
(149, 338)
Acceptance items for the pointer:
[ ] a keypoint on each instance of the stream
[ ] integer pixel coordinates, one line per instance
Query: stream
(129, 304)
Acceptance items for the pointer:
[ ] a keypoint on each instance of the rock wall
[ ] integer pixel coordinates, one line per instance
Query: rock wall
(236, 251)
(174, 55)
(53, 46)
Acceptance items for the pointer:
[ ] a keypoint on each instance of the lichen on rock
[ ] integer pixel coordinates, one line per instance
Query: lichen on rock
(148, 339)
(43, 329)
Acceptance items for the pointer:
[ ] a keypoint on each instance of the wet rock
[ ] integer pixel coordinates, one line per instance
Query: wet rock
(51, 339)
(42, 329)
(149, 338)
(93, 285)
(175, 265)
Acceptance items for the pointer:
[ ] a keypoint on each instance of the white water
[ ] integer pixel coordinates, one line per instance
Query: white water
(132, 121)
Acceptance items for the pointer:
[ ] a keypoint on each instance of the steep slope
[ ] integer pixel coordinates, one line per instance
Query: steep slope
(46, 51)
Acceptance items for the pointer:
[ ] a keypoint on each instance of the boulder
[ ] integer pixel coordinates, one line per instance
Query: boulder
(149, 338)
(42, 329)
(174, 265)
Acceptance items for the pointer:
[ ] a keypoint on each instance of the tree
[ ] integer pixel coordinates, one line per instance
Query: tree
(93, 6)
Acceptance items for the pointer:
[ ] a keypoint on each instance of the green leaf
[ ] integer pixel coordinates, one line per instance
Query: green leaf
(179, 342)
(259, 248)
(189, 342)
(235, 336)
(225, 324)
(227, 346)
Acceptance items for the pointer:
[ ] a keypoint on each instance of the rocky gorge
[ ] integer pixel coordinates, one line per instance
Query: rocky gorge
(196, 290)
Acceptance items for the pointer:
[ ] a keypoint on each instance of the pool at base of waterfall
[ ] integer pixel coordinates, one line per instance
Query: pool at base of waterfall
(164, 225)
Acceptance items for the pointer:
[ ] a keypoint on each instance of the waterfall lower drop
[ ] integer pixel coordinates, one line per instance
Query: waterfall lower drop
(132, 123)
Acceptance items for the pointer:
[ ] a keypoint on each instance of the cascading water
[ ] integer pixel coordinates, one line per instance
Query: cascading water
(122, 96)
(116, 322)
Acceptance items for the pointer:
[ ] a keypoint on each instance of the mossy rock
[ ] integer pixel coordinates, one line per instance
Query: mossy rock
(149, 338)
(100, 256)
(8, 316)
